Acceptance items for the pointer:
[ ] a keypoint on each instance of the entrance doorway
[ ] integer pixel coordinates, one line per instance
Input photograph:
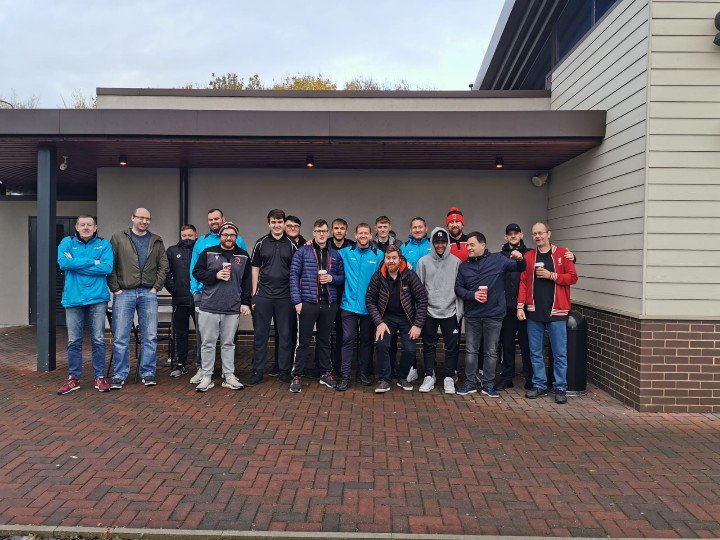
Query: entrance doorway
(64, 226)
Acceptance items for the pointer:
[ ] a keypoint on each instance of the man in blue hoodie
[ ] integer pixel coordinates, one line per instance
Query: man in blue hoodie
(215, 219)
(86, 260)
(480, 283)
(360, 262)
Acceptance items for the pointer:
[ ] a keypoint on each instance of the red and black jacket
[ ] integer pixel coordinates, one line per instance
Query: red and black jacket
(564, 275)
(413, 296)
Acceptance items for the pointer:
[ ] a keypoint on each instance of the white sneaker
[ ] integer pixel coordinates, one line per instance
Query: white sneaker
(428, 384)
(195, 379)
(412, 375)
(231, 381)
(449, 385)
(205, 384)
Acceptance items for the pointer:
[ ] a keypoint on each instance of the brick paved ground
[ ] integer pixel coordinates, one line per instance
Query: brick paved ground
(266, 459)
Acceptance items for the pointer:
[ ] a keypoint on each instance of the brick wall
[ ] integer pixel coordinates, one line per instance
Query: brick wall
(655, 365)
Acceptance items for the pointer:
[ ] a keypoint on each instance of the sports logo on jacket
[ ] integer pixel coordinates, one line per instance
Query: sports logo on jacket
(238, 260)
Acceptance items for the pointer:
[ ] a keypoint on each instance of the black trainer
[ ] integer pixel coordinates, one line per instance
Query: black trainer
(255, 379)
(365, 380)
(536, 393)
(344, 384)
(560, 397)
(328, 380)
(296, 384)
(149, 381)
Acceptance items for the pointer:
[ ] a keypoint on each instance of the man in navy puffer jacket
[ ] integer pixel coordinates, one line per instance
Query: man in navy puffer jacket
(316, 273)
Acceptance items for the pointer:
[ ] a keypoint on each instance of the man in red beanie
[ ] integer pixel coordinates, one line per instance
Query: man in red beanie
(458, 240)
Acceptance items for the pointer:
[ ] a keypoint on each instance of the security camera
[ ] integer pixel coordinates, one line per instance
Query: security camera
(540, 179)
(64, 165)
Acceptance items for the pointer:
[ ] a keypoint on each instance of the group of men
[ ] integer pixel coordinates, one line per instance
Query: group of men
(376, 293)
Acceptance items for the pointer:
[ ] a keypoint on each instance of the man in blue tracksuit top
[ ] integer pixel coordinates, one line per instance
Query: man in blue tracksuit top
(215, 219)
(86, 260)
(417, 245)
(480, 283)
(360, 262)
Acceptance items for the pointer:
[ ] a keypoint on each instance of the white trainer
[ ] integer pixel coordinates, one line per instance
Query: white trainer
(205, 384)
(412, 375)
(449, 385)
(195, 379)
(428, 384)
(231, 381)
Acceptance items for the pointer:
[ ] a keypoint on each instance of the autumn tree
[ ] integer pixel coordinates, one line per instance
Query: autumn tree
(305, 82)
(78, 100)
(13, 101)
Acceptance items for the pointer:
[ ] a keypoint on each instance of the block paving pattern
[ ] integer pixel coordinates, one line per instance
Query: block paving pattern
(265, 459)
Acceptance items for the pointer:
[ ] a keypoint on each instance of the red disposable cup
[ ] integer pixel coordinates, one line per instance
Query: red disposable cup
(484, 290)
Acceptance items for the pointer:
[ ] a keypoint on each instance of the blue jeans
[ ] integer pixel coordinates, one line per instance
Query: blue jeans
(487, 331)
(75, 321)
(557, 331)
(124, 306)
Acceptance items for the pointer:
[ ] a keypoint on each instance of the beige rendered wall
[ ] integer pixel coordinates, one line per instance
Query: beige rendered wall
(596, 201)
(15, 247)
(682, 275)
(322, 104)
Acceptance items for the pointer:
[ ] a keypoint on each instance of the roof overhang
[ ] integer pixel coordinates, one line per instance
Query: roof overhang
(94, 139)
(521, 31)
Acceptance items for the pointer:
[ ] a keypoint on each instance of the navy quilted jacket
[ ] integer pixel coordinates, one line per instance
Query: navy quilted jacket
(304, 274)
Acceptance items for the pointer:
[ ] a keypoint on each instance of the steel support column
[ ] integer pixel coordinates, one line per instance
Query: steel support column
(183, 196)
(46, 257)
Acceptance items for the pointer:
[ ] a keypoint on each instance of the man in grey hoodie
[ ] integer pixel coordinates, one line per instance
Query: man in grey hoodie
(437, 271)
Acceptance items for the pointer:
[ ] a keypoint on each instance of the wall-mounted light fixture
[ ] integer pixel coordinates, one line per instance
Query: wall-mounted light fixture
(539, 179)
(309, 161)
(122, 160)
(499, 163)
(64, 165)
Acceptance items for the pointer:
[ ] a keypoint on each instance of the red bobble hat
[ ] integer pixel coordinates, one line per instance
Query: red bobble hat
(454, 215)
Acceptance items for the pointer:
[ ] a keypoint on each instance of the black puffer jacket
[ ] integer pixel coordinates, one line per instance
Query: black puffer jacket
(177, 281)
(413, 296)
(512, 279)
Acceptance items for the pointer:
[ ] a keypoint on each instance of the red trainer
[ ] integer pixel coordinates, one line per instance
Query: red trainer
(72, 384)
(102, 385)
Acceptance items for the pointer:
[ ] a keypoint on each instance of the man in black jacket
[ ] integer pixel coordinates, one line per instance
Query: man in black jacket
(511, 326)
(396, 301)
(226, 276)
(177, 283)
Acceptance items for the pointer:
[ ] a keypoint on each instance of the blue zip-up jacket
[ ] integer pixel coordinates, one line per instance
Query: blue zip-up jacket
(359, 264)
(85, 281)
(210, 239)
(413, 250)
(304, 274)
(488, 269)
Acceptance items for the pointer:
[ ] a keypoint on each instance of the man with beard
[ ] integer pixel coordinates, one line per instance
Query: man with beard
(215, 219)
(224, 271)
(455, 221)
(177, 283)
(360, 262)
(397, 303)
(437, 271)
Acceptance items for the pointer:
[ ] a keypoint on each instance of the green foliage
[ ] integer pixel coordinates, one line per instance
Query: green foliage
(305, 82)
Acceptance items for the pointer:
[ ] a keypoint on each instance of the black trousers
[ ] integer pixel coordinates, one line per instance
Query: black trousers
(181, 316)
(510, 327)
(293, 335)
(322, 315)
(265, 310)
(450, 330)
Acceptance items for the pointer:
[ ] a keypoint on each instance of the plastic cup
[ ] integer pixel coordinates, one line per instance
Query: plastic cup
(227, 266)
(484, 290)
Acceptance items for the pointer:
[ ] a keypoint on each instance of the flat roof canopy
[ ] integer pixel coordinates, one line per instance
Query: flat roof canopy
(91, 139)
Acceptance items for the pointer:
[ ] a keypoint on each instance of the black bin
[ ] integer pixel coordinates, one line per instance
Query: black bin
(577, 332)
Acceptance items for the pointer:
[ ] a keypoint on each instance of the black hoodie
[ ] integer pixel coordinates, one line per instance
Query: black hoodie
(177, 281)
(512, 279)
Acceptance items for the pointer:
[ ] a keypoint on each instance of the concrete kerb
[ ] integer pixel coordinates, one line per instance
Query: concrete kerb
(49, 531)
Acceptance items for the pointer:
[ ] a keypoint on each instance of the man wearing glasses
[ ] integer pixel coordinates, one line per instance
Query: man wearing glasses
(315, 274)
(139, 270)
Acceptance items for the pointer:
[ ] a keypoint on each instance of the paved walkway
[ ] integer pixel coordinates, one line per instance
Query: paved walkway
(265, 459)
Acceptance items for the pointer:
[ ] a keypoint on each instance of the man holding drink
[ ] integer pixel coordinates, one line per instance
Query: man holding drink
(545, 295)
(480, 283)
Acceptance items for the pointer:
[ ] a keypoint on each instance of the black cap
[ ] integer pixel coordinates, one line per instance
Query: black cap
(512, 227)
(440, 236)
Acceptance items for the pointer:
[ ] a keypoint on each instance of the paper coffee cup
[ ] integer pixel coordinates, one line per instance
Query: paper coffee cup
(539, 265)
(227, 266)
(483, 288)
(322, 272)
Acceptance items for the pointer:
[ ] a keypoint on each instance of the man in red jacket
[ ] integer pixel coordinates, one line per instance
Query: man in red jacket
(544, 300)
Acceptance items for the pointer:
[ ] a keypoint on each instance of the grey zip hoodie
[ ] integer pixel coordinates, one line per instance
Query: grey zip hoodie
(438, 275)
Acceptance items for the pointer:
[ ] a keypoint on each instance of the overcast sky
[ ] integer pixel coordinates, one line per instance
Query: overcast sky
(48, 48)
